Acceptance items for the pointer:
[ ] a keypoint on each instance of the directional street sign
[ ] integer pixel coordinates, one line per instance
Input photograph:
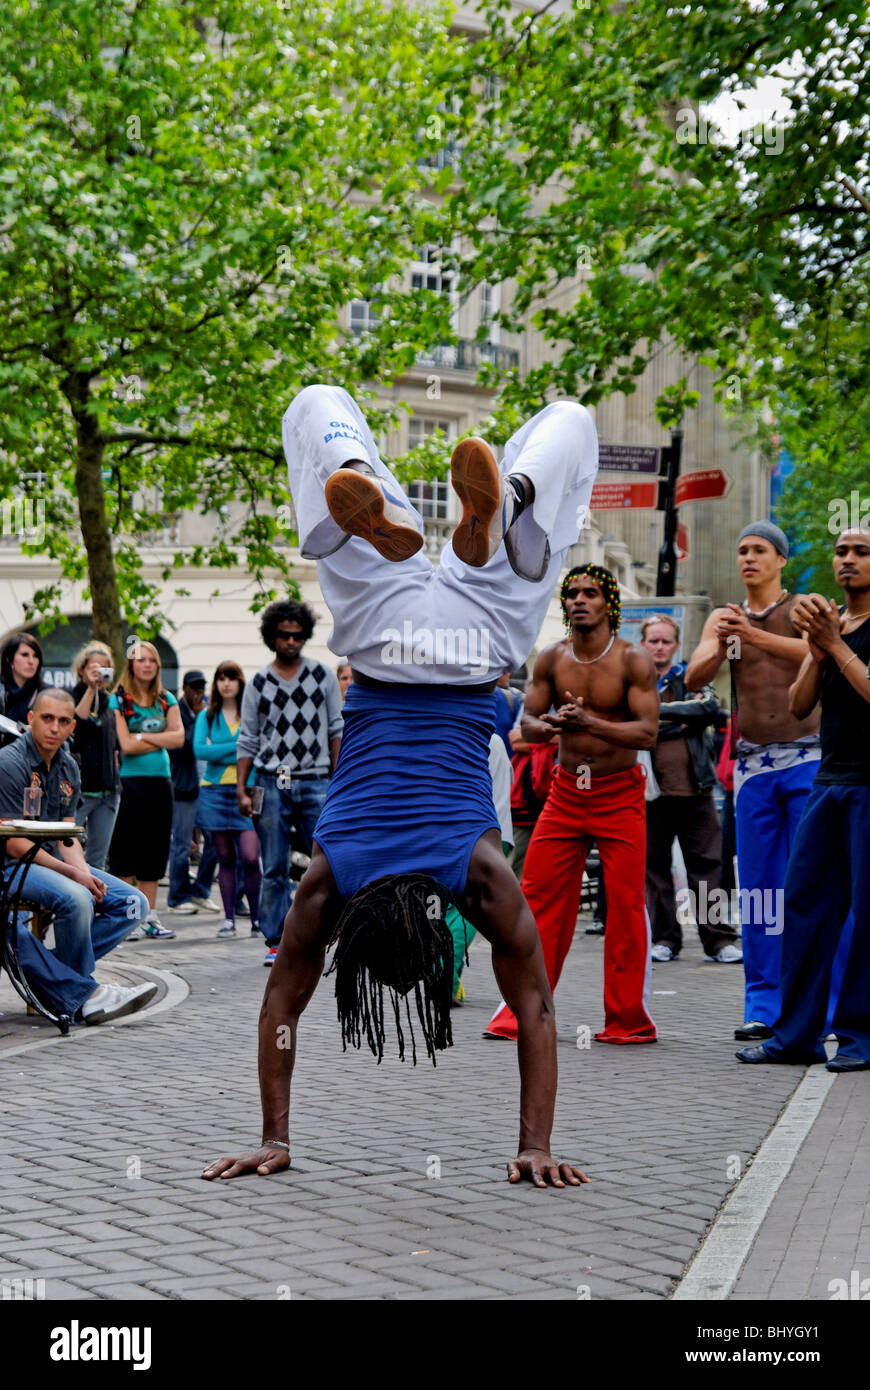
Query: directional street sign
(700, 486)
(611, 497)
(627, 458)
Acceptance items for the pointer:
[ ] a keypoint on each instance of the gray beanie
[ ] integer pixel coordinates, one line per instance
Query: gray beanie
(768, 532)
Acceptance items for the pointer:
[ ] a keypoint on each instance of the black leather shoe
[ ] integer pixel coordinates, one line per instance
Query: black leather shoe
(754, 1054)
(753, 1032)
(838, 1063)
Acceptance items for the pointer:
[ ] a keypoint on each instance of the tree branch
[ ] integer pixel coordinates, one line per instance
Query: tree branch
(139, 438)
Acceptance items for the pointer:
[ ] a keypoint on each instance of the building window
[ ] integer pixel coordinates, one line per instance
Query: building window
(363, 317)
(427, 274)
(431, 498)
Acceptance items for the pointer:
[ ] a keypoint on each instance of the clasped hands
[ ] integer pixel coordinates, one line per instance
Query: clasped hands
(570, 717)
(819, 620)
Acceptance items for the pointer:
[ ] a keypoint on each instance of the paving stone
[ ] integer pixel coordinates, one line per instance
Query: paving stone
(654, 1129)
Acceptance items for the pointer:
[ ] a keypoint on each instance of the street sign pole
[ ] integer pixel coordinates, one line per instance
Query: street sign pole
(666, 578)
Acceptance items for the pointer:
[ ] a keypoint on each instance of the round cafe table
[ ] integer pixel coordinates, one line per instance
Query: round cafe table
(13, 890)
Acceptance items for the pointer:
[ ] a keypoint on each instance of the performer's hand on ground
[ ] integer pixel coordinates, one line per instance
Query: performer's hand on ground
(263, 1161)
(539, 1167)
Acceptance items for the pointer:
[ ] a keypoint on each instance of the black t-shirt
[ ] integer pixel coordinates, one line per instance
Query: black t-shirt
(845, 729)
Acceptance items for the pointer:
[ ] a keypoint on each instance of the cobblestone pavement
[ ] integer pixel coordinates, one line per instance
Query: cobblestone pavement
(104, 1136)
(814, 1242)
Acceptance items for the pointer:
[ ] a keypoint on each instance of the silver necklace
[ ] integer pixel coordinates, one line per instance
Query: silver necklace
(594, 658)
(764, 611)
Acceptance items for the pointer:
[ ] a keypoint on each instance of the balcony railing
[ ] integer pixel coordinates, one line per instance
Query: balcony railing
(467, 355)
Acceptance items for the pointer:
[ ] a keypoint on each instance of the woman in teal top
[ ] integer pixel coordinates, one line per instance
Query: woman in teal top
(215, 736)
(149, 724)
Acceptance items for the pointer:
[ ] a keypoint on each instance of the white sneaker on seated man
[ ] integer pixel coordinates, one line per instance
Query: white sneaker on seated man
(92, 911)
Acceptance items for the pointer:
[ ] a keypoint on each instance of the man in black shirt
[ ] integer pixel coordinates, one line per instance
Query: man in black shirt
(829, 869)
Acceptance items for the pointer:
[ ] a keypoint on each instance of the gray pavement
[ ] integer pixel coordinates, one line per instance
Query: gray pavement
(814, 1242)
(398, 1186)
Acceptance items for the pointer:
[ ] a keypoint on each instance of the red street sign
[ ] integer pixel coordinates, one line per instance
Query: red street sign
(700, 486)
(627, 458)
(682, 541)
(611, 497)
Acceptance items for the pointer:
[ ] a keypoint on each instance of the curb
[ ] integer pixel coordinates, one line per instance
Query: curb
(176, 991)
(715, 1269)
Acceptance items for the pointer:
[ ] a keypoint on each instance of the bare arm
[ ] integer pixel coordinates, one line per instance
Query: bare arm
(171, 737)
(86, 703)
(243, 796)
(334, 748)
(819, 619)
(803, 696)
(540, 696)
(735, 629)
(709, 654)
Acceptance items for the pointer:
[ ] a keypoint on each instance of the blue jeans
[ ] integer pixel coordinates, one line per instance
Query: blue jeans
(84, 931)
(180, 886)
(98, 814)
(284, 809)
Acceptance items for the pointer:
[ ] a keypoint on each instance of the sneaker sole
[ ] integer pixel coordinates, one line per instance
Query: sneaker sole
(131, 1007)
(356, 504)
(476, 481)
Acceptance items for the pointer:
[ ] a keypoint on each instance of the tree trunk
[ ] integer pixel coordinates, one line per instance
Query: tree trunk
(102, 579)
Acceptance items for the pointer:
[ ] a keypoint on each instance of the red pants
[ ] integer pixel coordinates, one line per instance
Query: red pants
(613, 813)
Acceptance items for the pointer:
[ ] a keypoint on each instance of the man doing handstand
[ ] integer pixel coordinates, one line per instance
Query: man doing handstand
(409, 820)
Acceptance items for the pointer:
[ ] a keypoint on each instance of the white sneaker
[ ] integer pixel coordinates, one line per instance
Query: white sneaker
(182, 908)
(488, 502)
(729, 955)
(113, 1001)
(228, 928)
(662, 952)
(366, 505)
(205, 904)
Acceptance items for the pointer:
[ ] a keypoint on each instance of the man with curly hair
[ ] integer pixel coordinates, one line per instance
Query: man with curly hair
(290, 734)
(606, 706)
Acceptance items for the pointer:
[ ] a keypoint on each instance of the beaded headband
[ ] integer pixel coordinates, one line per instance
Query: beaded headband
(609, 588)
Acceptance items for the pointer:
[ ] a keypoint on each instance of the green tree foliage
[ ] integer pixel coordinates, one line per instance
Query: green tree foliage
(593, 181)
(186, 204)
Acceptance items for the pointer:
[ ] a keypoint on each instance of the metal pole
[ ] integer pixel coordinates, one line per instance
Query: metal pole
(666, 579)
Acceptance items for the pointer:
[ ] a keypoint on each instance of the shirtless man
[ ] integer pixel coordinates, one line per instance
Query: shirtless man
(777, 753)
(607, 707)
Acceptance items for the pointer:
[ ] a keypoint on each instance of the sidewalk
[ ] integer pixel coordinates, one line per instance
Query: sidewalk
(104, 1137)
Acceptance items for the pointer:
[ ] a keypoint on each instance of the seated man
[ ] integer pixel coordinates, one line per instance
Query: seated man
(409, 822)
(92, 911)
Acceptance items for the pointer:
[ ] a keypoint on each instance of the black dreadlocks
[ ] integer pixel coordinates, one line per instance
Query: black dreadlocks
(392, 934)
(609, 587)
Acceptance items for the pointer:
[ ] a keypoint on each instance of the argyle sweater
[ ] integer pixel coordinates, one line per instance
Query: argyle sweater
(288, 724)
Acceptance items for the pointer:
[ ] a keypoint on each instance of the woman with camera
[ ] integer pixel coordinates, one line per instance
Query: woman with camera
(94, 745)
